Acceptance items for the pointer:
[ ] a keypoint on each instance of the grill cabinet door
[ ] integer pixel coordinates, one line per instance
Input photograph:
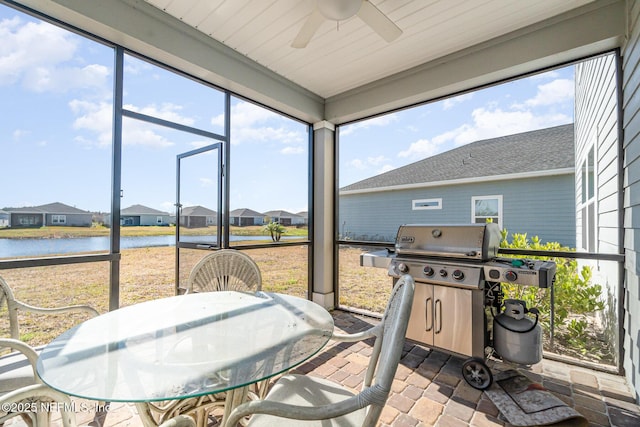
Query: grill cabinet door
(452, 319)
(420, 326)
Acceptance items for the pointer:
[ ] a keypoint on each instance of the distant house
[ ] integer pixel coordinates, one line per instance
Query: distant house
(52, 214)
(244, 217)
(305, 217)
(524, 182)
(142, 215)
(197, 217)
(4, 218)
(284, 217)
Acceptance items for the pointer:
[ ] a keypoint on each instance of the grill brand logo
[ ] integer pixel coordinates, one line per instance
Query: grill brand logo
(407, 239)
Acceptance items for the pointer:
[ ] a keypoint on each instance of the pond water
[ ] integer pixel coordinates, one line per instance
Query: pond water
(34, 247)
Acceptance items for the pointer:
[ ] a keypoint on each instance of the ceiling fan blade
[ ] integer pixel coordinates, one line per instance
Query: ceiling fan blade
(308, 29)
(379, 22)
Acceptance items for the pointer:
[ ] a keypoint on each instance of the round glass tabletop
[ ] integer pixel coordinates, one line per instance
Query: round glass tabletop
(185, 346)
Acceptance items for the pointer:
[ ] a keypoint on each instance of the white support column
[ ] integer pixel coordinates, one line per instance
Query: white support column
(323, 193)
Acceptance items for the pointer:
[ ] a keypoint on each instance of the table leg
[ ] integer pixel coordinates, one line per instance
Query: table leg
(145, 415)
(234, 398)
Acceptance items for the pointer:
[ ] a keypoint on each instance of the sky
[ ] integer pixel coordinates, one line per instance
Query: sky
(56, 91)
(384, 143)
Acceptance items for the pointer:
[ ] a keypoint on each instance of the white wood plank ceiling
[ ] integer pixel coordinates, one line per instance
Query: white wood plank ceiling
(345, 55)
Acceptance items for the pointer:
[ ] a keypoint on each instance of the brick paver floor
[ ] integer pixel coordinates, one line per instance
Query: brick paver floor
(429, 389)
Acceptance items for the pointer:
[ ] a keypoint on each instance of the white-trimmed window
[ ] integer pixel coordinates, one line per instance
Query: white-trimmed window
(58, 219)
(159, 220)
(588, 203)
(486, 207)
(425, 204)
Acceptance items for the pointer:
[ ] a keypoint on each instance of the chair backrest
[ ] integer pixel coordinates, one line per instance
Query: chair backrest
(14, 305)
(225, 270)
(6, 295)
(387, 349)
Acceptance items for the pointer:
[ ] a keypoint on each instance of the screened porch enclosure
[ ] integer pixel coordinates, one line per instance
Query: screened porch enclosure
(140, 100)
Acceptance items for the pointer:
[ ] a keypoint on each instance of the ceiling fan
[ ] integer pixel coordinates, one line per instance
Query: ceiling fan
(340, 10)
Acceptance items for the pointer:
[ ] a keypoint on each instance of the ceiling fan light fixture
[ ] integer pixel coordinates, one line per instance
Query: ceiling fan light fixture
(338, 10)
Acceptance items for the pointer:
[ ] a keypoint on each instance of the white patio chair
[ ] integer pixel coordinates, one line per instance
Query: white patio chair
(30, 398)
(179, 421)
(225, 270)
(15, 368)
(14, 306)
(300, 400)
(222, 270)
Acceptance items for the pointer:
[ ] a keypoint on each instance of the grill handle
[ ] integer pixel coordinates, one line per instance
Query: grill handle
(438, 315)
(428, 320)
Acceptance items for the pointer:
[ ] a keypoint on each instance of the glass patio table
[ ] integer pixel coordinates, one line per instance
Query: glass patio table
(185, 346)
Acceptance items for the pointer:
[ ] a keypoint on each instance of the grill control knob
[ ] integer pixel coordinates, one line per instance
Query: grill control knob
(494, 274)
(458, 275)
(428, 271)
(443, 273)
(403, 268)
(510, 275)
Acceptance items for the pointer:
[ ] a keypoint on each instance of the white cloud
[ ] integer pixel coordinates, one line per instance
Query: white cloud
(495, 123)
(369, 162)
(487, 123)
(357, 163)
(252, 123)
(421, 149)
(139, 133)
(37, 55)
(19, 133)
(555, 92)
(558, 92)
(97, 119)
(93, 117)
(452, 102)
(376, 160)
(366, 124)
(63, 79)
(166, 111)
(246, 114)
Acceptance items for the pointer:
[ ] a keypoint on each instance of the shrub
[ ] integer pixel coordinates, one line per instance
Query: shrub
(576, 298)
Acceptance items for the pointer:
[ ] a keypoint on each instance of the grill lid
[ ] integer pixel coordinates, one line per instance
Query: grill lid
(478, 242)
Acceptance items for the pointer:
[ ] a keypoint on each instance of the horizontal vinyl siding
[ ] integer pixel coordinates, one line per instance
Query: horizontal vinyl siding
(597, 119)
(631, 124)
(540, 207)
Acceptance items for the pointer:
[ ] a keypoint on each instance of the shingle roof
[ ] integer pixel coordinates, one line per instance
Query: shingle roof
(245, 212)
(51, 208)
(539, 150)
(281, 214)
(197, 211)
(141, 210)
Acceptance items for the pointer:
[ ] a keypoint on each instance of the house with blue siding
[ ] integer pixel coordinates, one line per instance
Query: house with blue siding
(596, 196)
(136, 215)
(524, 182)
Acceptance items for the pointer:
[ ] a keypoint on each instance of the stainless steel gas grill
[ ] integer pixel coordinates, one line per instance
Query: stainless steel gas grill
(458, 277)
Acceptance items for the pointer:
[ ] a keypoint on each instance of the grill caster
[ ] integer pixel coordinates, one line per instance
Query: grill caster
(476, 373)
